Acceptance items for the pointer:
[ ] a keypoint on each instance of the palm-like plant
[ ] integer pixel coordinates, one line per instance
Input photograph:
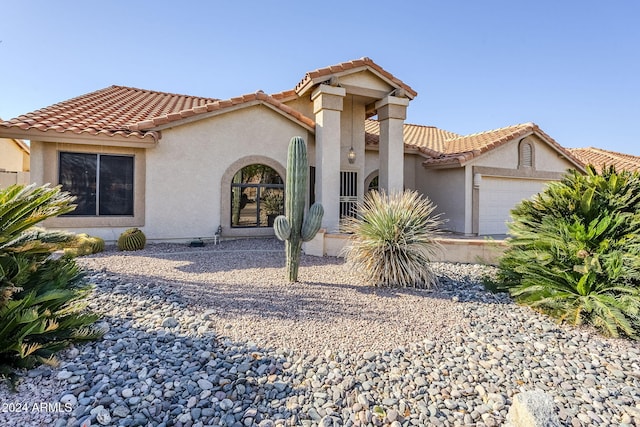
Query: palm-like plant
(574, 251)
(41, 299)
(393, 239)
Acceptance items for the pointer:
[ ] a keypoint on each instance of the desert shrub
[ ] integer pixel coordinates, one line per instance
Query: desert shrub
(392, 239)
(132, 239)
(41, 298)
(83, 244)
(574, 251)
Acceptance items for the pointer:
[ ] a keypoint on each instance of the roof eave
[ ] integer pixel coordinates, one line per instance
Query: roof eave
(20, 143)
(150, 139)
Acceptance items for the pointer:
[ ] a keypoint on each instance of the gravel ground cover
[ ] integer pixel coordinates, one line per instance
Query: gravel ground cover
(215, 336)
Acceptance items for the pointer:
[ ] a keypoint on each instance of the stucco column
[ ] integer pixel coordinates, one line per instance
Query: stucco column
(327, 107)
(391, 114)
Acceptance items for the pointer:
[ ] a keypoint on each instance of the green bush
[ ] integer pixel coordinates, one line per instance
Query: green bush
(392, 239)
(41, 298)
(574, 251)
(132, 239)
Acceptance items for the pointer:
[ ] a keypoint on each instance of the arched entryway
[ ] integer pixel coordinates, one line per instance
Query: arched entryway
(252, 196)
(257, 196)
(371, 181)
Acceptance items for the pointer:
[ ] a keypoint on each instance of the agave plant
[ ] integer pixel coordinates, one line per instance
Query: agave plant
(392, 239)
(574, 251)
(41, 299)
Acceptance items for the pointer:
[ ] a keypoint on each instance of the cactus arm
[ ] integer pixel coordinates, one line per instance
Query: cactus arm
(281, 227)
(312, 222)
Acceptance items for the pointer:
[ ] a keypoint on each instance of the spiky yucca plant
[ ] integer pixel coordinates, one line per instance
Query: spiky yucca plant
(574, 251)
(392, 239)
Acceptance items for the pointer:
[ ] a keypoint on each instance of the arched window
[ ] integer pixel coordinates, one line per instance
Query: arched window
(373, 185)
(526, 154)
(257, 196)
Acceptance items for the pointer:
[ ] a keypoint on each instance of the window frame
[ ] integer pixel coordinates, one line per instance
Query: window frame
(98, 202)
(260, 188)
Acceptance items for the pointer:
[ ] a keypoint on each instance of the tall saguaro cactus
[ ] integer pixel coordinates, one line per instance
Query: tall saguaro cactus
(294, 227)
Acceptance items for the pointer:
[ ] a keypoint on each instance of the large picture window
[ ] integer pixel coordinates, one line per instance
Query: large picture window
(257, 196)
(102, 184)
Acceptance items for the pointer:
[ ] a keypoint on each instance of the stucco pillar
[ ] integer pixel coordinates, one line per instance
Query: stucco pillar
(391, 114)
(327, 107)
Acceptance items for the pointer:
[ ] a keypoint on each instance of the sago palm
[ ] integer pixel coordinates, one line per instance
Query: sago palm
(574, 251)
(42, 305)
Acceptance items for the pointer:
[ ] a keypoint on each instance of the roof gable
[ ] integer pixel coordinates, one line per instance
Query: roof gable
(322, 75)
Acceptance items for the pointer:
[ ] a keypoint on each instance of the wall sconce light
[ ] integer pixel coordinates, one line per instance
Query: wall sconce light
(351, 156)
(477, 180)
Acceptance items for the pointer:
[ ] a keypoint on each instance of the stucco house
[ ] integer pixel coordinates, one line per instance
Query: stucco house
(14, 162)
(179, 166)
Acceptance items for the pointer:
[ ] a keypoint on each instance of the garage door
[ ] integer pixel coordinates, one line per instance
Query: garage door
(498, 196)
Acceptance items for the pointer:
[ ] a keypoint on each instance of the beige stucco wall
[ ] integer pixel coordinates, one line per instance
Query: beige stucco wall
(410, 161)
(179, 190)
(365, 80)
(506, 156)
(12, 157)
(445, 188)
(371, 163)
(12, 178)
(303, 105)
(186, 194)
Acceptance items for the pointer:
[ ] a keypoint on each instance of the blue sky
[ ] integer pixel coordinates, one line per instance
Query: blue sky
(572, 67)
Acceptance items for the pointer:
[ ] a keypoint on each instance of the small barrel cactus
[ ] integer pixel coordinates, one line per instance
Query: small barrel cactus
(132, 239)
(97, 244)
(293, 227)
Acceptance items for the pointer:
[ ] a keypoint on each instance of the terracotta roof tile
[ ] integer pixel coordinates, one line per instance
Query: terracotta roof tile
(312, 76)
(284, 96)
(444, 147)
(600, 158)
(109, 111)
(126, 111)
(427, 139)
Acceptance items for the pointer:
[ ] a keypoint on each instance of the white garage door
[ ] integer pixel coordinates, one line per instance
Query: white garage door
(498, 196)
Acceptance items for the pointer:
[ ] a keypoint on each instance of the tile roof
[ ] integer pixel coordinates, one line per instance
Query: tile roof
(600, 158)
(220, 105)
(321, 74)
(106, 112)
(126, 111)
(428, 139)
(442, 147)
